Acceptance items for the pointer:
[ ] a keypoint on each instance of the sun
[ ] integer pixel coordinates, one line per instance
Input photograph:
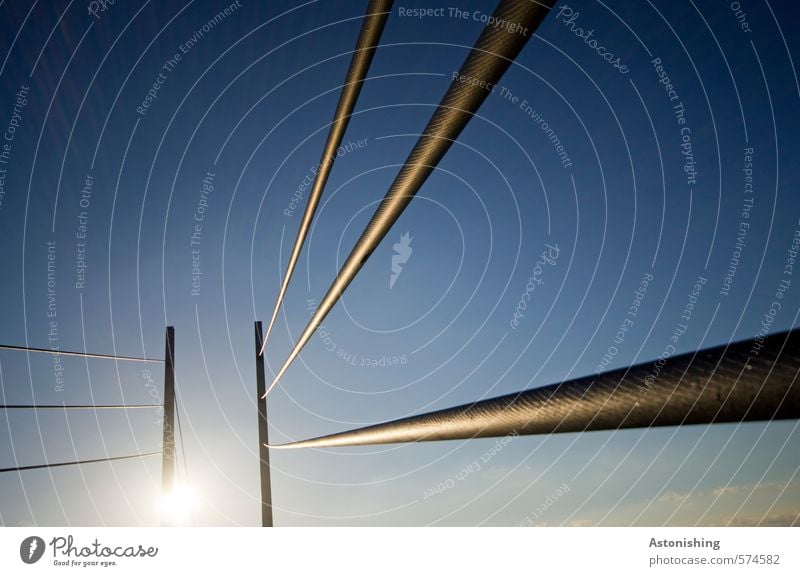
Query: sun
(177, 506)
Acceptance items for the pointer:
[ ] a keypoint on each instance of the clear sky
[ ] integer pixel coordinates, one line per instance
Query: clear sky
(654, 155)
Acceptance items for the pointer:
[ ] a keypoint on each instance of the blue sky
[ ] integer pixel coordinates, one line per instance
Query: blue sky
(246, 108)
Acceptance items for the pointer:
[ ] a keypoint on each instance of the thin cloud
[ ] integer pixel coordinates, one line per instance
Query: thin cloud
(776, 520)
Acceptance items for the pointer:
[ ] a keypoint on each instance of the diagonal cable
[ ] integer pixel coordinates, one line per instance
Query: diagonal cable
(371, 29)
(512, 25)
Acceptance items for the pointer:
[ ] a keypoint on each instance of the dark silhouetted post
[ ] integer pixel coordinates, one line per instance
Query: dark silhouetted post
(263, 437)
(168, 444)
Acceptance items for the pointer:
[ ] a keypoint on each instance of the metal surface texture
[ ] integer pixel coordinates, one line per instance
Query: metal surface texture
(493, 53)
(753, 380)
(368, 38)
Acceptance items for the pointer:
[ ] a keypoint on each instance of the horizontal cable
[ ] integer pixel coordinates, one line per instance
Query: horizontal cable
(753, 380)
(75, 406)
(81, 354)
(77, 462)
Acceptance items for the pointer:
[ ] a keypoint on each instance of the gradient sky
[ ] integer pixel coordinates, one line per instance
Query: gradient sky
(249, 102)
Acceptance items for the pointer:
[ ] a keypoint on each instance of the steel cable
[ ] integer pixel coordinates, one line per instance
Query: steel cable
(371, 30)
(495, 50)
(753, 380)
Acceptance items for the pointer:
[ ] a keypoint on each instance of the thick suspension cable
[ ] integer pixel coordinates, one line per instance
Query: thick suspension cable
(493, 53)
(753, 380)
(371, 30)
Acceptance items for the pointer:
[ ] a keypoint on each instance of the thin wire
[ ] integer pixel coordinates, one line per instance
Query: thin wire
(371, 29)
(81, 354)
(78, 462)
(75, 406)
(752, 380)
